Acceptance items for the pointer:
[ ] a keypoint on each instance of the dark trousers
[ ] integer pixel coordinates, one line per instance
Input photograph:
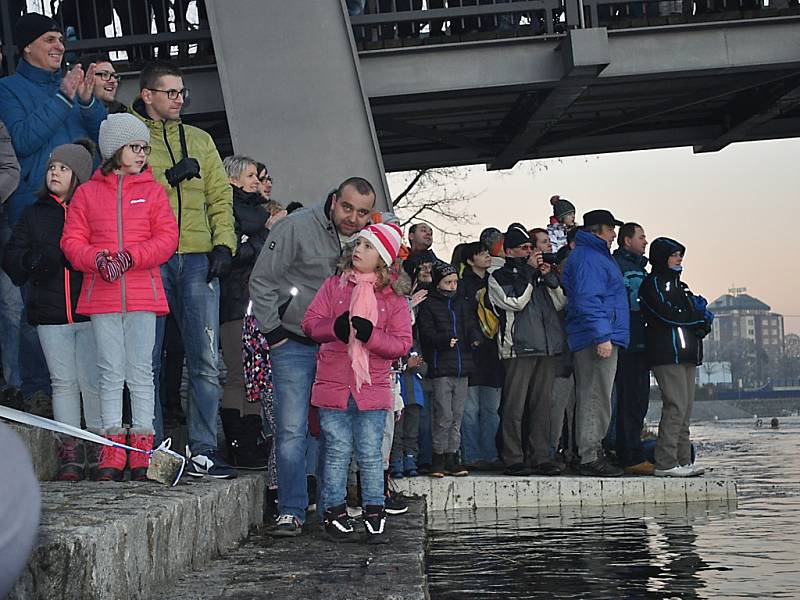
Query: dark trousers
(633, 397)
(406, 433)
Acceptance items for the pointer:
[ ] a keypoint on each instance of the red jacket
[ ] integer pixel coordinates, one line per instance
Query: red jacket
(115, 212)
(390, 339)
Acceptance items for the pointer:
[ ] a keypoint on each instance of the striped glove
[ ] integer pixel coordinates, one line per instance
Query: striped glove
(123, 259)
(109, 267)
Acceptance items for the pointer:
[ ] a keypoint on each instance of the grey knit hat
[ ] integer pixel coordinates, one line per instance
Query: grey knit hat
(118, 130)
(76, 157)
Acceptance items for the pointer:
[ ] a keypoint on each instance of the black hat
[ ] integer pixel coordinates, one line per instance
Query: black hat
(441, 270)
(516, 236)
(562, 207)
(600, 217)
(31, 26)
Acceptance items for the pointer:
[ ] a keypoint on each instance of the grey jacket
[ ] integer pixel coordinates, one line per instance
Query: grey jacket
(300, 253)
(9, 167)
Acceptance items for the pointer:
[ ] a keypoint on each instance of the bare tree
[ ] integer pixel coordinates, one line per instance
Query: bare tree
(435, 196)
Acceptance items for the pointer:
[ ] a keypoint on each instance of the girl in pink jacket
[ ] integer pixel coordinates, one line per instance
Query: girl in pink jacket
(363, 325)
(119, 230)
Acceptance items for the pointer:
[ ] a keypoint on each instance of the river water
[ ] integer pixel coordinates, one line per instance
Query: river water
(749, 550)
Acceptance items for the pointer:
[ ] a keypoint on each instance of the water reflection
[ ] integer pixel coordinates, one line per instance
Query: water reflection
(669, 551)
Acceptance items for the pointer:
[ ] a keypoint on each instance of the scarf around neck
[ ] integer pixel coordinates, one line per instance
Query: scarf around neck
(364, 304)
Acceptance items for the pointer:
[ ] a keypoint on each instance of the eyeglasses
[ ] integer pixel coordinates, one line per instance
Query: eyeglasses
(266, 179)
(173, 94)
(137, 148)
(107, 75)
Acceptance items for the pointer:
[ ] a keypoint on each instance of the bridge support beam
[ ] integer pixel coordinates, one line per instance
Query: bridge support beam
(293, 95)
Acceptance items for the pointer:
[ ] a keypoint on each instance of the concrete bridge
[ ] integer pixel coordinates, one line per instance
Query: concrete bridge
(320, 96)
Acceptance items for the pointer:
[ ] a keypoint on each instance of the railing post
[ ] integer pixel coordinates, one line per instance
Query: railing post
(9, 49)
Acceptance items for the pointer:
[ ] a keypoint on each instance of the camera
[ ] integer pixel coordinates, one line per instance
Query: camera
(549, 257)
(185, 169)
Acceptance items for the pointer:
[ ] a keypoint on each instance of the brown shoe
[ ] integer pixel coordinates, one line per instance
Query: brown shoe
(643, 468)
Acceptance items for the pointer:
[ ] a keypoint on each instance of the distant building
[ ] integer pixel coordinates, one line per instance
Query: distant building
(739, 316)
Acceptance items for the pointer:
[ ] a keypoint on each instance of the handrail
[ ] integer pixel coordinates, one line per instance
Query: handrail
(384, 18)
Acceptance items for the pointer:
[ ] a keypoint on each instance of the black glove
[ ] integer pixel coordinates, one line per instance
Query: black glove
(219, 262)
(363, 328)
(341, 326)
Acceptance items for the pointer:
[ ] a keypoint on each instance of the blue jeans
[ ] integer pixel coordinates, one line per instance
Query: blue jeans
(195, 305)
(344, 429)
(124, 354)
(294, 366)
(479, 424)
(633, 398)
(71, 356)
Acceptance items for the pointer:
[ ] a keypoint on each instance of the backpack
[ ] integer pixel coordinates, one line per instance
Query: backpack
(487, 318)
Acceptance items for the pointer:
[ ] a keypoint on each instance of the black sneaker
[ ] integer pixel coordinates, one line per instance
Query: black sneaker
(375, 524)
(600, 468)
(208, 463)
(518, 470)
(338, 526)
(548, 468)
(287, 526)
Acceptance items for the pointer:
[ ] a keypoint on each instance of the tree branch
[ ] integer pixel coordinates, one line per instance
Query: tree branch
(420, 174)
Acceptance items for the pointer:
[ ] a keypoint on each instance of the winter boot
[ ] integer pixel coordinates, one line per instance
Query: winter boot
(71, 459)
(453, 466)
(232, 426)
(438, 466)
(93, 452)
(396, 468)
(338, 526)
(410, 465)
(112, 459)
(375, 524)
(137, 461)
(252, 449)
(12, 398)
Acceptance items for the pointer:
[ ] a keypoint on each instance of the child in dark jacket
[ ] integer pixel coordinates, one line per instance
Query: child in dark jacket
(405, 446)
(448, 331)
(362, 321)
(33, 258)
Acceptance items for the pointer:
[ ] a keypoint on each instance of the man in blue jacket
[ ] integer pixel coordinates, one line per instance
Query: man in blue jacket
(41, 109)
(597, 326)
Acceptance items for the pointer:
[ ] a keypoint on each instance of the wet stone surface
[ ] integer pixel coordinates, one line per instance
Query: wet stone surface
(310, 566)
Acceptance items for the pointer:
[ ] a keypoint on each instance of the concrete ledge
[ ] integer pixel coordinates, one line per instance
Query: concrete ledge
(43, 448)
(125, 540)
(498, 491)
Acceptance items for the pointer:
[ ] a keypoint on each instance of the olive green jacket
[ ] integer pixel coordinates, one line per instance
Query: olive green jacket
(203, 207)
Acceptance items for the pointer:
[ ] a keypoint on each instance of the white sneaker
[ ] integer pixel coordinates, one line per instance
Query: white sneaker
(684, 471)
(694, 470)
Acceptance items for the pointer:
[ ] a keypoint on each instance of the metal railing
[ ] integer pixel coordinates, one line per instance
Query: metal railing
(392, 23)
(131, 31)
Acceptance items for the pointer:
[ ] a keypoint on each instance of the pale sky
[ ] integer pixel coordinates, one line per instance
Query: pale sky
(736, 211)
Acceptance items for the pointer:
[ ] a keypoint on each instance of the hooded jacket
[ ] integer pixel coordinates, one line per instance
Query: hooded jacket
(597, 303)
(441, 318)
(250, 216)
(674, 327)
(39, 118)
(202, 206)
(33, 256)
(117, 212)
(526, 305)
(633, 274)
(302, 251)
(334, 382)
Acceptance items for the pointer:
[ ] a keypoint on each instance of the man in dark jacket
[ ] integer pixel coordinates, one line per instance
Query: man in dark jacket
(677, 322)
(481, 411)
(530, 338)
(597, 326)
(301, 253)
(633, 372)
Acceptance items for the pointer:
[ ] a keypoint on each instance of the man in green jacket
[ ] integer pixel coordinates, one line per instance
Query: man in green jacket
(185, 161)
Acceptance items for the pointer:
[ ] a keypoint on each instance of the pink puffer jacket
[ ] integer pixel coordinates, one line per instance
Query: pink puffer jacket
(390, 339)
(121, 213)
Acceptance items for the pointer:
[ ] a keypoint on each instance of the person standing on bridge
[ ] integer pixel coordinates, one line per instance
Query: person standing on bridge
(677, 321)
(597, 326)
(420, 236)
(301, 252)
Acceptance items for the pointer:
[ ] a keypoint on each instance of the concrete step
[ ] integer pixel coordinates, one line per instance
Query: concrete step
(126, 540)
(500, 491)
(310, 566)
(42, 446)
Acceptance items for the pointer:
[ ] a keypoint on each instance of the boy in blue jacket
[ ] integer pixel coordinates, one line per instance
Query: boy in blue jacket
(597, 326)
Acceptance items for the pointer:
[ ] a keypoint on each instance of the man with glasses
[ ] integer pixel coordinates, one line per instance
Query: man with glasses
(186, 162)
(106, 81)
(42, 108)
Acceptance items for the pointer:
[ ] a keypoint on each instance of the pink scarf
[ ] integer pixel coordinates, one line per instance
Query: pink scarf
(364, 304)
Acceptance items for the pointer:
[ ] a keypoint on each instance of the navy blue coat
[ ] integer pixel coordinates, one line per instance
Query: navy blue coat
(633, 274)
(38, 119)
(597, 303)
